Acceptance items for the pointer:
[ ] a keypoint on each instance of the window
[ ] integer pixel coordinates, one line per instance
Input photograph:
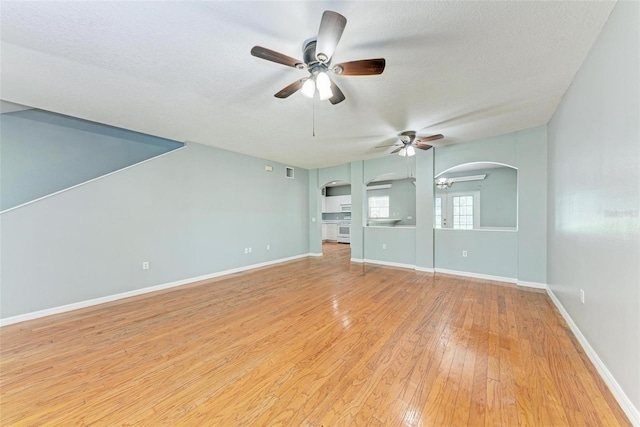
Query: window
(438, 213)
(379, 207)
(463, 212)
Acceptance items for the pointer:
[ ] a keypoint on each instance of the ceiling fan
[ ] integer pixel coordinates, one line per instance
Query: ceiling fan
(316, 54)
(408, 143)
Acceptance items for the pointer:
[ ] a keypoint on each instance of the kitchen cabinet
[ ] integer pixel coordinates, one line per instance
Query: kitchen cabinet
(332, 204)
(332, 232)
(329, 231)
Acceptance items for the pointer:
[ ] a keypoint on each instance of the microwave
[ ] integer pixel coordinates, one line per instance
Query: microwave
(345, 208)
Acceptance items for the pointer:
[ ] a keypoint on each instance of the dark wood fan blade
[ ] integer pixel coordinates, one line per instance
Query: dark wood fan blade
(396, 150)
(423, 146)
(331, 28)
(291, 89)
(277, 57)
(429, 138)
(338, 96)
(363, 67)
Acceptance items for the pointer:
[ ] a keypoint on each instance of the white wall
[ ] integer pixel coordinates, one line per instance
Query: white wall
(189, 213)
(594, 199)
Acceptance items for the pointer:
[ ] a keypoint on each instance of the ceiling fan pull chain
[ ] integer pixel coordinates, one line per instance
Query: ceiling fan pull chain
(313, 114)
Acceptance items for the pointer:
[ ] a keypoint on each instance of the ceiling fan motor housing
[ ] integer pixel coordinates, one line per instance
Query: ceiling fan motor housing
(309, 53)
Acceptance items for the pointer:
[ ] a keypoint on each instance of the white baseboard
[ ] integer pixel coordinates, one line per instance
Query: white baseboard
(625, 403)
(389, 264)
(135, 292)
(425, 269)
(315, 254)
(358, 260)
(476, 275)
(531, 284)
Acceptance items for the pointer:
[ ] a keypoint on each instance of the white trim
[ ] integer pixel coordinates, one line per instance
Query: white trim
(476, 275)
(91, 180)
(315, 254)
(531, 284)
(101, 300)
(358, 260)
(625, 403)
(425, 269)
(389, 264)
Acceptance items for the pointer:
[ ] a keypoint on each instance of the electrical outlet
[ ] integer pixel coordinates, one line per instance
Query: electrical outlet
(313, 219)
(246, 250)
(249, 250)
(464, 254)
(384, 246)
(582, 296)
(268, 247)
(145, 265)
(409, 217)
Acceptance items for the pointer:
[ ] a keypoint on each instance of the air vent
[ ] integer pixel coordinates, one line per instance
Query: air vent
(288, 172)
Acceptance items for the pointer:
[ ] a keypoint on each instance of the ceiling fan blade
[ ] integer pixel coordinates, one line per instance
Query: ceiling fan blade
(277, 57)
(385, 146)
(423, 146)
(291, 89)
(331, 28)
(338, 96)
(429, 138)
(363, 67)
(396, 150)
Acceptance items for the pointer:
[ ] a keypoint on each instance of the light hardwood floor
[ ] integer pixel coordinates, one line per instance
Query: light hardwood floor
(314, 342)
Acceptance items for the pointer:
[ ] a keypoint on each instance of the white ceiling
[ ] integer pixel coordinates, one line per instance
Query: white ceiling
(183, 70)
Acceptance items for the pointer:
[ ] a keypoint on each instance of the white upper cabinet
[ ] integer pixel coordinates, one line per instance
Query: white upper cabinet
(333, 204)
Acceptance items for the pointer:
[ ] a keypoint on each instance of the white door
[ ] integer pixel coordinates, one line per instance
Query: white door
(458, 210)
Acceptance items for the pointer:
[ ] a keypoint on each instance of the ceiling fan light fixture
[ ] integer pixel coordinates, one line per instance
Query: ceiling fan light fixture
(411, 151)
(325, 93)
(443, 183)
(308, 88)
(323, 81)
(403, 152)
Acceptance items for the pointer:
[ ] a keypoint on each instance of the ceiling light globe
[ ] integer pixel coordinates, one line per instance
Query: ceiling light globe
(403, 152)
(323, 81)
(325, 93)
(308, 88)
(411, 151)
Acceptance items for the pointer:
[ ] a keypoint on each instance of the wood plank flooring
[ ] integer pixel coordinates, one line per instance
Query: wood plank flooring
(314, 342)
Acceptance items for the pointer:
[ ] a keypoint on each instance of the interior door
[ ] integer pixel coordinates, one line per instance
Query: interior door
(458, 210)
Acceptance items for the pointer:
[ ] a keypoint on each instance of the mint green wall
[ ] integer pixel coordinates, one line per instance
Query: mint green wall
(357, 210)
(424, 209)
(315, 214)
(402, 200)
(389, 167)
(189, 213)
(532, 205)
(44, 152)
(525, 150)
(594, 199)
(334, 173)
(515, 255)
(400, 244)
(498, 195)
(493, 253)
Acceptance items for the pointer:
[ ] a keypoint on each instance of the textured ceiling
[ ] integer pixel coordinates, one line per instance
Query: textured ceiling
(183, 70)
